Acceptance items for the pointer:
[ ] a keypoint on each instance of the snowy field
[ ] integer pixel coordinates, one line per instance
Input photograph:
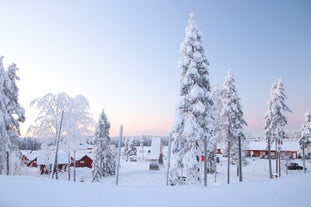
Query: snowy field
(138, 186)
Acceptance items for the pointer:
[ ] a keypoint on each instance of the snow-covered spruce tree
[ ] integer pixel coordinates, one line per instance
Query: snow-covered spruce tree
(219, 121)
(305, 131)
(219, 132)
(129, 148)
(275, 119)
(15, 110)
(4, 119)
(104, 164)
(234, 121)
(193, 112)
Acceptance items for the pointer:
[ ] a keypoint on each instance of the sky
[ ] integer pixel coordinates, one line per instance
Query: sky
(123, 55)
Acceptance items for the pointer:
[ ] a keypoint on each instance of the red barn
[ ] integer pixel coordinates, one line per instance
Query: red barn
(84, 161)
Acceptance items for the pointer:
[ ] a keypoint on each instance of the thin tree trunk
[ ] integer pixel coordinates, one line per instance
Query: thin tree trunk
(303, 157)
(228, 153)
(215, 162)
(74, 165)
(119, 154)
(205, 161)
(55, 163)
(279, 160)
(269, 155)
(240, 160)
(69, 162)
(7, 163)
(276, 158)
(168, 159)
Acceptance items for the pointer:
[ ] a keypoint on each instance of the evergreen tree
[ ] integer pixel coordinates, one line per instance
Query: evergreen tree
(104, 164)
(4, 119)
(219, 132)
(275, 117)
(15, 110)
(305, 131)
(193, 114)
(129, 148)
(234, 121)
(132, 150)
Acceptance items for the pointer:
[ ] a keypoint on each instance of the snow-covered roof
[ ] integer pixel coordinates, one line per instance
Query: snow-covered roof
(47, 157)
(262, 145)
(30, 154)
(81, 153)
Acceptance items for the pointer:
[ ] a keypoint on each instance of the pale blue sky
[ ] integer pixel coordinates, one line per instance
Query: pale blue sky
(123, 55)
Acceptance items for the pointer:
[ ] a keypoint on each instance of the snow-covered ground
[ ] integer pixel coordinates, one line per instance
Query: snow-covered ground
(138, 186)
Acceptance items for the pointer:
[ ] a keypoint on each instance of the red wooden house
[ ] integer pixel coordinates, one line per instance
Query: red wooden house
(84, 161)
(29, 158)
(259, 149)
(46, 161)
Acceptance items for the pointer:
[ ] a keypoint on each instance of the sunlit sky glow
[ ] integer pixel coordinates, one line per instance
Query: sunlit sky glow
(123, 55)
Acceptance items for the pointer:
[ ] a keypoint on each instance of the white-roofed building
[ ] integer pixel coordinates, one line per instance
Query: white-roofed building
(260, 149)
(156, 155)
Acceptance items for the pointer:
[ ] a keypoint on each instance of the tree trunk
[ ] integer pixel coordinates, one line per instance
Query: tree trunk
(168, 159)
(304, 158)
(205, 161)
(228, 153)
(276, 158)
(119, 154)
(279, 159)
(269, 155)
(215, 162)
(69, 162)
(240, 160)
(74, 165)
(7, 163)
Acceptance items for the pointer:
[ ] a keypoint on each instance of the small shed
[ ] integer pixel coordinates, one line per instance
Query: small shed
(156, 155)
(84, 161)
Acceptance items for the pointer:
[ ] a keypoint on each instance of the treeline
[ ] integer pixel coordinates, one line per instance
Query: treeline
(28, 143)
(137, 140)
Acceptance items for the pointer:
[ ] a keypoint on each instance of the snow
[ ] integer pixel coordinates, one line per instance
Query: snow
(138, 186)
(155, 148)
(262, 145)
(47, 157)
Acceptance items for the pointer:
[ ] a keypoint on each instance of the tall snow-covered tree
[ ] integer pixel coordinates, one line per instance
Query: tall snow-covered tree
(305, 131)
(219, 133)
(275, 119)
(77, 121)
(4, 118)
(233, 117)
(104, 164)
(11, 112)
(193, 112)
(15, 110)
